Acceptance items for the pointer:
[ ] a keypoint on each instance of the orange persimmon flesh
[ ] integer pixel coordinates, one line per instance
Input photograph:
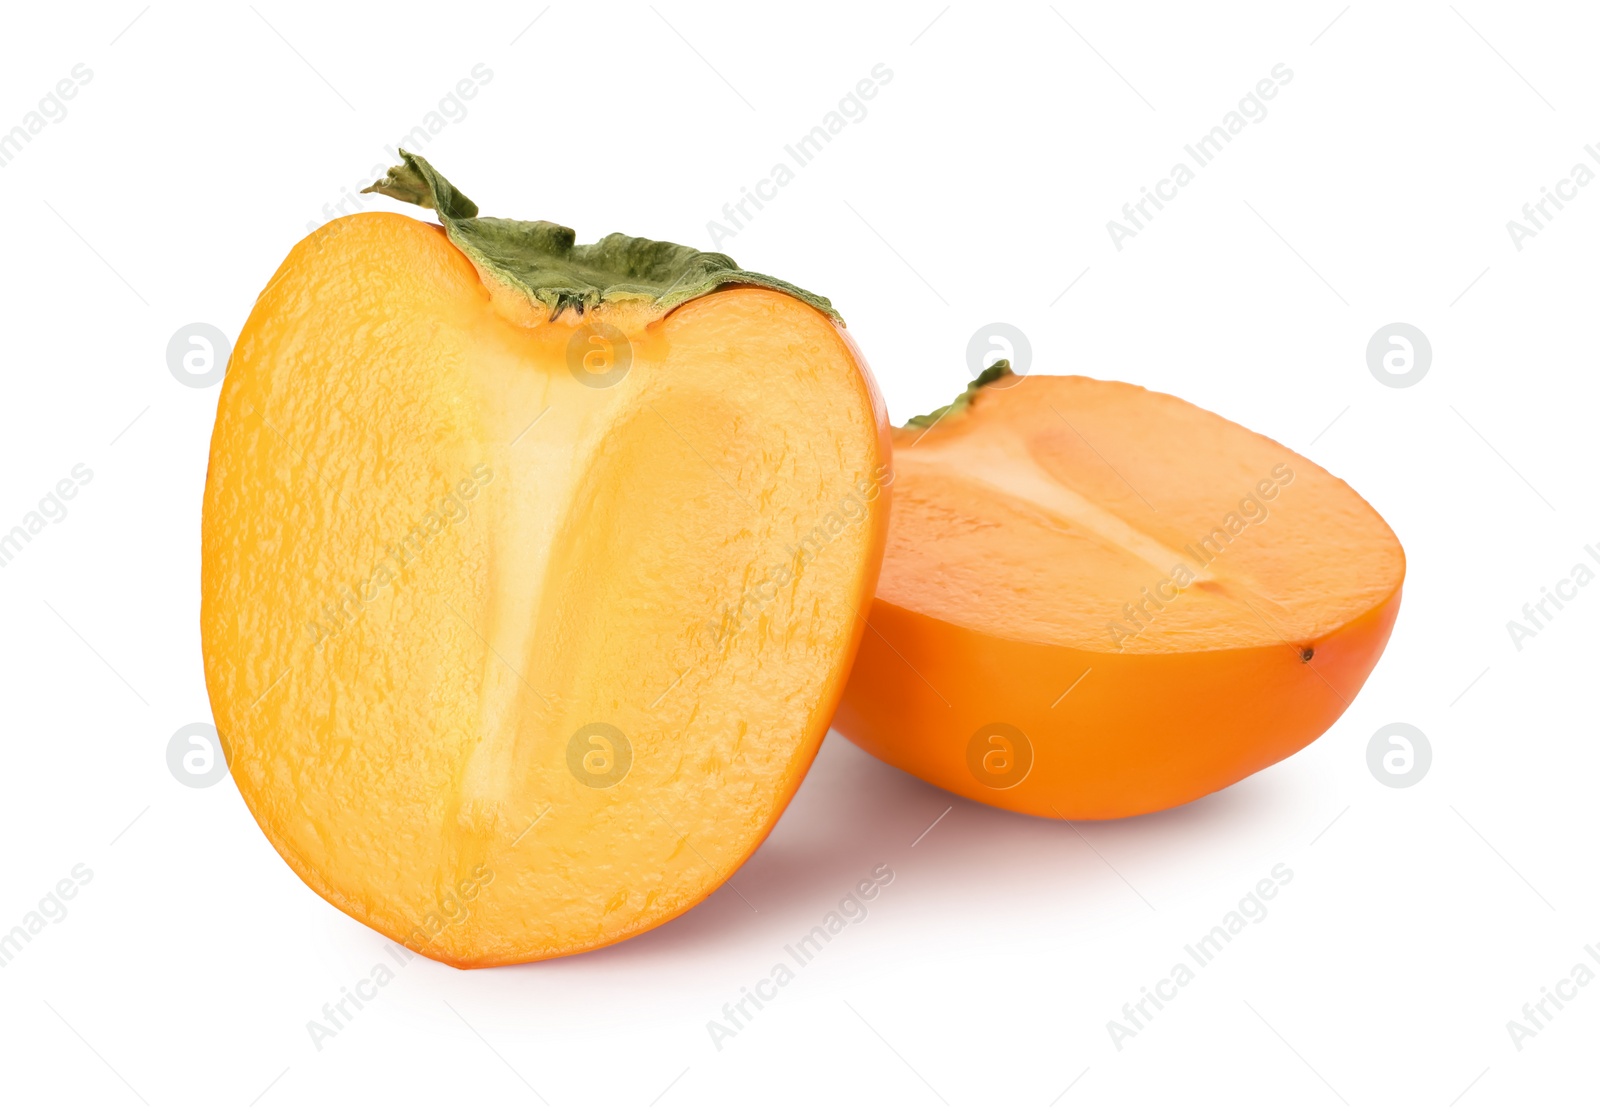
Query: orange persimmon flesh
(510, 666)
(1100, 601)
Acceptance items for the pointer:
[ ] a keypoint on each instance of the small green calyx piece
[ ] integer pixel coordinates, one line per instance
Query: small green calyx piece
(545, 262)
(1000, 368)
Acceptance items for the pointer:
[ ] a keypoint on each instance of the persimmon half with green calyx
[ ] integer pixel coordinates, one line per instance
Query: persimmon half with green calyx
(1100, 601)
(532, 573)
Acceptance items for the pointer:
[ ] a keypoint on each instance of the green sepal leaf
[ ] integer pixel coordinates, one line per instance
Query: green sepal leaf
(546, 263)
(1000, 368)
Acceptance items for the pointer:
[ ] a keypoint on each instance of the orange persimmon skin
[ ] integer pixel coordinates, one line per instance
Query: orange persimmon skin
(1242, 710)
(1005, 660)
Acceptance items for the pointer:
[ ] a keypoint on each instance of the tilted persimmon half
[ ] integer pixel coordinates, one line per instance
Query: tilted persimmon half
(532, 573)
(1100, 601)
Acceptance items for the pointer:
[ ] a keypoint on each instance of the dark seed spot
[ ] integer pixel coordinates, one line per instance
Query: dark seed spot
(1306, 654)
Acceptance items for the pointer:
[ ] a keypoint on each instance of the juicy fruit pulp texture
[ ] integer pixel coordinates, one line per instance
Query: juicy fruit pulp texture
(511, 666)
(1212, 600)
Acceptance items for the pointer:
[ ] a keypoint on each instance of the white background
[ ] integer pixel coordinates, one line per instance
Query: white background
(1378, 188)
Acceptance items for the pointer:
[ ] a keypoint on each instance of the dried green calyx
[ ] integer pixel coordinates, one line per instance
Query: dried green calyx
(545, 262)
(1000, 368)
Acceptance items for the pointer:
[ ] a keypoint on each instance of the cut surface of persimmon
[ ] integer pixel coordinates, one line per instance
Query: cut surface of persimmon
(532, 573)
(1100, 601)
